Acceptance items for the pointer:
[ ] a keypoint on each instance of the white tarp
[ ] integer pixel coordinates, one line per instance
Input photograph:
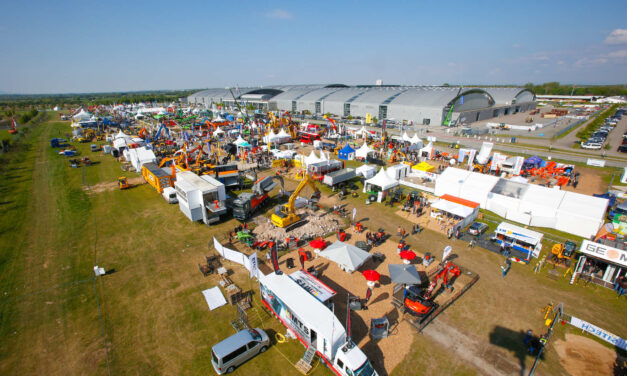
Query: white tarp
(347, 256)
(363, 151)
(382, 180)
(366, 171)
(214, 298)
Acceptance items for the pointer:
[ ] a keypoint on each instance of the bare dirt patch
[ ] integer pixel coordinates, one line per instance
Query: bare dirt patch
(112, 185)
(582, 356)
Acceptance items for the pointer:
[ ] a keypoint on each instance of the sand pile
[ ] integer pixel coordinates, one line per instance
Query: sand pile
(318, 223)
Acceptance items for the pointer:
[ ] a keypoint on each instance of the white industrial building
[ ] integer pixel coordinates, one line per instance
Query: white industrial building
(427, 105)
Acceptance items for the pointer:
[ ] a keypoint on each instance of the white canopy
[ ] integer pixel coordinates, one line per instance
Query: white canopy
(311, 159)
(240, 142)
(453, 208)
(428, 149)
(366, 171)
(450, 182)
(363, 131)
(218, 131)
(363, 151)
(347, 256)
(139, 156)
(323, 157)
(82, 116)
(284, 134)
(581, 215)
(382, 180)
(406, 137)
(121, 134)
(416, 140)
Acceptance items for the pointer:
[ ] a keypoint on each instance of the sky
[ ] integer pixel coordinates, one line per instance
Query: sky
(102, 46)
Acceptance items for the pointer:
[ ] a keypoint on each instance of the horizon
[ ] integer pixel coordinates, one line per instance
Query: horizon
(76, 48)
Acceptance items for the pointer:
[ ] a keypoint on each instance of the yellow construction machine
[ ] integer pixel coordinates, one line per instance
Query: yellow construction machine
(123, 183)
(563, 253)
(285, 215)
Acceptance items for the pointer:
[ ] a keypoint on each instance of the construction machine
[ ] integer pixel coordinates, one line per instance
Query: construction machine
(419, 302)
(248, 202)
(123, 183)
(285, 215)
(563, 253)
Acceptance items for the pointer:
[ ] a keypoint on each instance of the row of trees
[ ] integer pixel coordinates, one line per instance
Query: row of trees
(555, 88)
(48, 101)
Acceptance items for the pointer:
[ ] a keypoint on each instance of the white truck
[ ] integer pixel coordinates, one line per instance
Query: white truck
(303, 304)
(169, 194)
(337, 177)
(201, 198)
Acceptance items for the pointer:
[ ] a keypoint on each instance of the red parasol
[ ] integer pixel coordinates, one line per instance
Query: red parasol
(318, 243)
(407, 255)
(371, 275)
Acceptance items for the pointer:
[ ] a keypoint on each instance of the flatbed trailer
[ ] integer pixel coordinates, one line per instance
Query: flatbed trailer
(421, 323)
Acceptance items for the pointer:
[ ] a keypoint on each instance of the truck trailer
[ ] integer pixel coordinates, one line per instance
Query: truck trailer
(200, 198)
(304, 305)
(158, 178)
(337, 177)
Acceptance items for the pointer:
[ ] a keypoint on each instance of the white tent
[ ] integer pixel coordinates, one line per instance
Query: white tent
(476, 187)
(453, 208)
(428, 150)
(347, 256)
(541, 204)
(581, 214)
(82, 116)
(311, 159)
(270, 137)
(366, 171)
(121, 134)
(139, 156)
(363, 132)
(363, 151)
(217, 132)
(406, 137)
(381, 180)
(416, 140)
(505, 197)
(450, 181)
(323, 157)
(284, 136)
(241, 143)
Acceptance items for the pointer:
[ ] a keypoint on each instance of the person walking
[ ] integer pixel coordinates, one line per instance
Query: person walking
(528, 337)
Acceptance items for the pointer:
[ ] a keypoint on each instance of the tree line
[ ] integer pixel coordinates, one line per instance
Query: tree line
(555, 88)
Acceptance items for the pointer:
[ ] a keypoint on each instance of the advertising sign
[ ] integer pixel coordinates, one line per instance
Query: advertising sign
(604, 252)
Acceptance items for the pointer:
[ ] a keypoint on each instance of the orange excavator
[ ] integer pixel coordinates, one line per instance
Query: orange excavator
(419, 302)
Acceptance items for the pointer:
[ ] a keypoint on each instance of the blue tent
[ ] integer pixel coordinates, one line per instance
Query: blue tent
(347, 153)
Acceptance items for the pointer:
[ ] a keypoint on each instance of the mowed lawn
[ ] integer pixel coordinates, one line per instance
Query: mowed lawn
(53, 312)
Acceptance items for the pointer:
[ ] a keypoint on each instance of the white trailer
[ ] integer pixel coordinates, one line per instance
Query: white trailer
(199, 199)
(302, 303)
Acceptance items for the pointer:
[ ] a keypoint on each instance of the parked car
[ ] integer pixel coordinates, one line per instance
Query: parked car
(95, 147)
(477, 228)
(591, 145)
(242, 346)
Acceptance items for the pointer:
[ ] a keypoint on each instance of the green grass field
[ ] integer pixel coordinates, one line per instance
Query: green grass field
(148, 316)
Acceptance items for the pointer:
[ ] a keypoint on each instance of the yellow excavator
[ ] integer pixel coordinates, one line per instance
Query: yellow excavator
(285, 215)
(563, 253)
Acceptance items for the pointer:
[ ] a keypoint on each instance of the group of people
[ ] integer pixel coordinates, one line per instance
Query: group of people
(375, 238)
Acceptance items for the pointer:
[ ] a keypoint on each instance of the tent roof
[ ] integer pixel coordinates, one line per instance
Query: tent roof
(461, 201)
(346, 254)
(583, 205)
(381, 179)
(416, 139)
(282, 133)
(218, 131)
(365, 167)
(452, 207)
(407, 274)
(363, 151)
(241, 142)
(423, 166)
(347, 149)
(406, 137)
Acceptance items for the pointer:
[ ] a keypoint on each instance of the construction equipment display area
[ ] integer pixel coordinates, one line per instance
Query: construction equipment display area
(388, 297)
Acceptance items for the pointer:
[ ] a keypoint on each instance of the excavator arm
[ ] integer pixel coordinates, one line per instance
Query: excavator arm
(308, 180)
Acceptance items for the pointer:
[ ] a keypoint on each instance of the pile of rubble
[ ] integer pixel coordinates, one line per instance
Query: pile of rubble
(318, 223)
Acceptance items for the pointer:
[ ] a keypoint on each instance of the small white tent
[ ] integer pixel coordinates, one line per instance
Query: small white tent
(347, 256)
(311, 159)
(416, 140)
(366, 171)
(381, 181)
(406, 137)
(427, 151)
(82, 116)
(363, 151)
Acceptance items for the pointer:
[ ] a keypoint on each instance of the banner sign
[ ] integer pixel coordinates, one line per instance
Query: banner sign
(604, 252)
(601, 333)
(595, 162)
(471, 159)
(253, 266)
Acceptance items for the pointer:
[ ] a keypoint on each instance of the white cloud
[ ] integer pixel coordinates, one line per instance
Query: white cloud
(279, 14)
(621, 54)
(618, 36)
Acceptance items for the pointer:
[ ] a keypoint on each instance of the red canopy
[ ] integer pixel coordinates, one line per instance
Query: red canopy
(318, 243)
(371, 275)
(407, 255)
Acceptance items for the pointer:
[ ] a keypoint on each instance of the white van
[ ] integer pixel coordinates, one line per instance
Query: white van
(232, 352)
(169, 194)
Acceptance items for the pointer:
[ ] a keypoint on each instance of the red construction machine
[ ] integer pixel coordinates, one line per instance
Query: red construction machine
(419, 302)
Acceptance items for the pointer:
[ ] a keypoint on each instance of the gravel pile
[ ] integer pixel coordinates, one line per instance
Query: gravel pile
(318, 224)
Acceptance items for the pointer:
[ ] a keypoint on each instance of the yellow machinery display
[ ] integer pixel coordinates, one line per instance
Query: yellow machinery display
(286, 215)
(563, 253)
(123, 183)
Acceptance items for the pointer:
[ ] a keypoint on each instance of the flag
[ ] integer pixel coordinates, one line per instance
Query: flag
(447, 252)
(275, 259)
(252, 260)
(354, 213)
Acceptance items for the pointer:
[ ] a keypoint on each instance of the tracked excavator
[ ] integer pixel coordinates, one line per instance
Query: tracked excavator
(285, 215)
(419, 302)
